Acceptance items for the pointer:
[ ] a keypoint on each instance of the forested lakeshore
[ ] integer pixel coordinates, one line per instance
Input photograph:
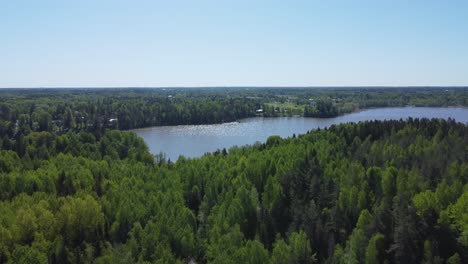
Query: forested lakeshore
(374, 192)
(95, 110)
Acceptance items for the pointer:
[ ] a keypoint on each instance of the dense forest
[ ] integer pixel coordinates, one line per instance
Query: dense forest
(94, 110)
(373, 192)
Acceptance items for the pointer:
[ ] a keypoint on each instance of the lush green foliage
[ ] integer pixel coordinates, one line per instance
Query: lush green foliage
(93, 110)
(357, 193)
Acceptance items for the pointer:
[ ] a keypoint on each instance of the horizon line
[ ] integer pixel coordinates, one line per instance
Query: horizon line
(237, 86)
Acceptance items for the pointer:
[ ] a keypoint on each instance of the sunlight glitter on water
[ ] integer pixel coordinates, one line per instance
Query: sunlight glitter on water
(195, 140)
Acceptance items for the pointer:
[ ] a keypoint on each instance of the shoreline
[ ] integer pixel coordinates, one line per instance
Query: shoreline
(359, 110)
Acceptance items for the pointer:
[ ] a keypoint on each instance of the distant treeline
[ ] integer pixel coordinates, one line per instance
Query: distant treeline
(60, 110)
(373, 192)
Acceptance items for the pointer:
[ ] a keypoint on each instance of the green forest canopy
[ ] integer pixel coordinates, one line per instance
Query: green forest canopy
(373, 192)
(72, 190)
(94, 110)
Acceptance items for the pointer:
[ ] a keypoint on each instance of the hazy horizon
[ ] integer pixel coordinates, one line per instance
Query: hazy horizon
(246, 86)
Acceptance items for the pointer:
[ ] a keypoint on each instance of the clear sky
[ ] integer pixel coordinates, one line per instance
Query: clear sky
(102, 43)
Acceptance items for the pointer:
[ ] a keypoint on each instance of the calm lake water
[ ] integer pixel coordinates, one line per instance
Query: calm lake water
(195, 140)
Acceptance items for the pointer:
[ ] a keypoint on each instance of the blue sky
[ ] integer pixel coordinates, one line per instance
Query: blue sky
(100, 43)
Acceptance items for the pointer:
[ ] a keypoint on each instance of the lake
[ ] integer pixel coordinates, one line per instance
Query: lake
(195, 140)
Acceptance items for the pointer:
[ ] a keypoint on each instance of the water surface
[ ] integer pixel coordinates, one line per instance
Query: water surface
(195, 140)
